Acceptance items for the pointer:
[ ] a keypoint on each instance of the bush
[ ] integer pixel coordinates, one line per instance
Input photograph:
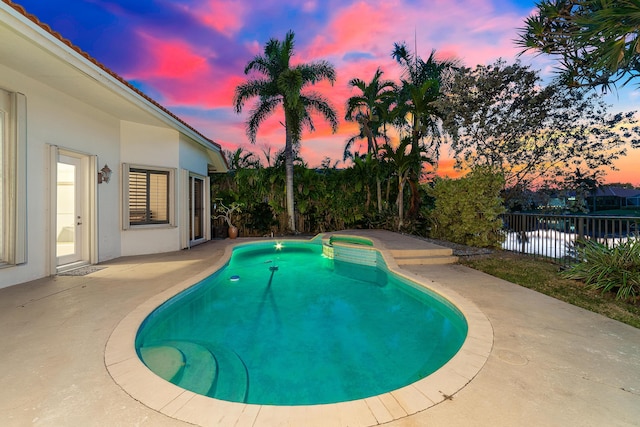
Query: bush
(467, 210)
(609, 269)
(260, 218)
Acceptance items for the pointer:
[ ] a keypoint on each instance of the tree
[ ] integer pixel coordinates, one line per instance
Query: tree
(500, 116)
(241, 159)
(416, 112)
(597, 41)
(403, 162)
(282, 85)
(368, 107)
(583, 184)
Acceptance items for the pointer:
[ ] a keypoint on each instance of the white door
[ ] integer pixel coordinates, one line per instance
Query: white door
(70, 210)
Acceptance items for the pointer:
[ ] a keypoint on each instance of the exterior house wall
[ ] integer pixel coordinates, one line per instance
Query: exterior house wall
(151, 146)
(78, 116)
(54, 118)
(192, 157)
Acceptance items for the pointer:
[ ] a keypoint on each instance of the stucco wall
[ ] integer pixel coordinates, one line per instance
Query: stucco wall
(193, 157)
(54, 118)
(144, 145)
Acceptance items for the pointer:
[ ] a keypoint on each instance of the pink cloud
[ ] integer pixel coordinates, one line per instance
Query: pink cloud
(352, 30)
(224, 16)
(169, 59)
(184, 75)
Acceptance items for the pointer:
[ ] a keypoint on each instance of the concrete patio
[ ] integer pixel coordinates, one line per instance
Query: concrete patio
(552, 364)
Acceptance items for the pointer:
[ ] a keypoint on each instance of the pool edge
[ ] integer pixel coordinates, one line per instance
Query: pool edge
(139, 382)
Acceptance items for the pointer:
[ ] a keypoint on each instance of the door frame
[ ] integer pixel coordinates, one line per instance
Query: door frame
(186, 211)
(89, 172)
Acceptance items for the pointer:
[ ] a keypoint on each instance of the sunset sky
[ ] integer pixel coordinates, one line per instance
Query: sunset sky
(189, 55)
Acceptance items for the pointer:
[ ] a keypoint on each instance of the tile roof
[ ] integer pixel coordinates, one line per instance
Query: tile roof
(48, 29)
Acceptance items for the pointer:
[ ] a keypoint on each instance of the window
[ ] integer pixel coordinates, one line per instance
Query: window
(148, 196)
(13, 215)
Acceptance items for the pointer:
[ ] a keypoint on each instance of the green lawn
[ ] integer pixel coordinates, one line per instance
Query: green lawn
(543, 276)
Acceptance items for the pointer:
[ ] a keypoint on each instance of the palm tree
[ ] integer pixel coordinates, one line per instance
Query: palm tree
(416, 111)
(597, 42)
(367, 108)
(282, 85)
(403, 162)
(241, 159)
(422, 85)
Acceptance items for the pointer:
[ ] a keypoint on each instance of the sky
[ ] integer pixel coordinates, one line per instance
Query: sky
(189, 55)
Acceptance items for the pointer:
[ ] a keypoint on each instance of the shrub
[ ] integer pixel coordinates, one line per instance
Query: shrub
(606, 268)
(467, 210)
(260, 218)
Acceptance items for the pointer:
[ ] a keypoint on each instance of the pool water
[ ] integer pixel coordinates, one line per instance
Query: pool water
(287, 326)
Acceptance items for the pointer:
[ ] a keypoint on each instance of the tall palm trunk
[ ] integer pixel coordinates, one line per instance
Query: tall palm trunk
(414, 207)
(414, 177)
(379, 193)
(288, 166)
(400, 201)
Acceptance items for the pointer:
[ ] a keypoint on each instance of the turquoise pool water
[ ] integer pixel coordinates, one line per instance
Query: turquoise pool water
(288, 326)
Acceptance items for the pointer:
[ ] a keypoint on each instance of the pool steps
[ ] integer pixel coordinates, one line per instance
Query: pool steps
(219, 371)
(359, 250)
(232, 380)
(167, 361)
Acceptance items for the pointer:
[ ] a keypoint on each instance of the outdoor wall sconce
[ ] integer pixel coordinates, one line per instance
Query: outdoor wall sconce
(104, 175)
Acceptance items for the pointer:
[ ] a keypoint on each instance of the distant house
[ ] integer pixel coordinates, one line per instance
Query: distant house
(90, 168)
(611, 198)
(634, 200)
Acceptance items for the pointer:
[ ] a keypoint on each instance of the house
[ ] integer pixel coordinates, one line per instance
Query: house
(91, 168)
(634, 200)
(612, 198)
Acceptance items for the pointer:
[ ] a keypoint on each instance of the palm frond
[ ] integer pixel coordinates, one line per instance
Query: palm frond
(259, 114)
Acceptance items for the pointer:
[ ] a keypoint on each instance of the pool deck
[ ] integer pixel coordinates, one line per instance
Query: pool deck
(549, 364)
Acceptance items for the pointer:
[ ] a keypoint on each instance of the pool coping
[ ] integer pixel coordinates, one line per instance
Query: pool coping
(128, 371)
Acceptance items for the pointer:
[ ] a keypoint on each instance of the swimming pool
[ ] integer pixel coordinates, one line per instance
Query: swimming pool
(285, 325)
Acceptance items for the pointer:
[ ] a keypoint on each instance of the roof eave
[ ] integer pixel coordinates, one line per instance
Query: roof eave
(54, 43)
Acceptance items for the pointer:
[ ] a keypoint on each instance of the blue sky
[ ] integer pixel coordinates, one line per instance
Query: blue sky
(189, 55)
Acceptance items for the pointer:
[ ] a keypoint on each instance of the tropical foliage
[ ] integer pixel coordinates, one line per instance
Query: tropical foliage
(416, 114)
(403, 159)
(369, 109)
(597, 41)
(610, 269)
(502, 117)
(504, 126)
(326, 198)
(467, 210)
(282, 85)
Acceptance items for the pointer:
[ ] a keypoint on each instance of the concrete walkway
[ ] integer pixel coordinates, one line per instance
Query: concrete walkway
(552, 364)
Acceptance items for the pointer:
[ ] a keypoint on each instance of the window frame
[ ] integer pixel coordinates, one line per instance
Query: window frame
(127, 224)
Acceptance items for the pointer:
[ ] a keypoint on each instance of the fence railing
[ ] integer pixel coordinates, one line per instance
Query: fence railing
(555, 236)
